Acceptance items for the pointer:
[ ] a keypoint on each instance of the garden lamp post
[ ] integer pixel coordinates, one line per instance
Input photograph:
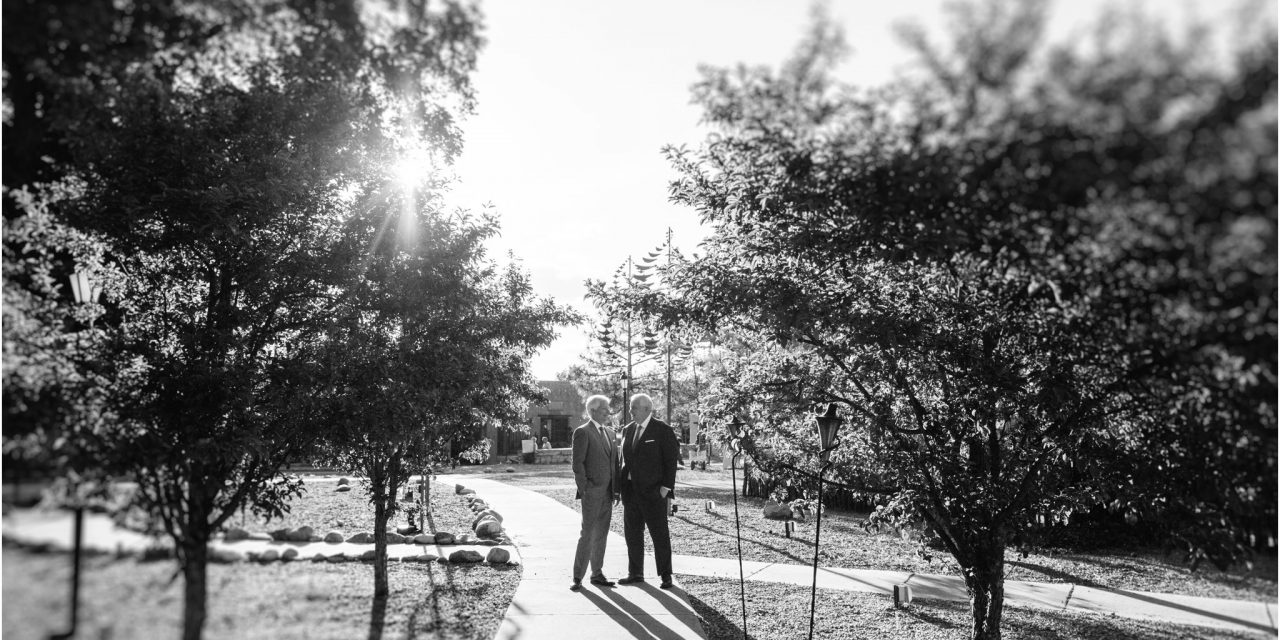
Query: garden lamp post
(626, 397)
(85, 293)
(737, 431)
(828, 426)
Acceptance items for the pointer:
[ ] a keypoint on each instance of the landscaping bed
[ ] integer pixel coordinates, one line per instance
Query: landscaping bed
(138, 599)
(781, 611)
(323, 508)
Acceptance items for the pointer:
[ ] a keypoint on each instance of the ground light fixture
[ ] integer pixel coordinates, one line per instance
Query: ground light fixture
(738, 431)
(828, 428)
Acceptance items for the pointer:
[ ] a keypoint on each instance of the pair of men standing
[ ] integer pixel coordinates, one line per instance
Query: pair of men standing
(641, 472)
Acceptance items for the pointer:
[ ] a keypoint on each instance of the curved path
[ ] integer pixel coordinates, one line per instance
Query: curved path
(545, 534)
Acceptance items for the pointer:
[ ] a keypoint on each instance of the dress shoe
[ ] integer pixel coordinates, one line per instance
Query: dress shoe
(631, 580)
(667, 583)
(576, 586)
(602, 581)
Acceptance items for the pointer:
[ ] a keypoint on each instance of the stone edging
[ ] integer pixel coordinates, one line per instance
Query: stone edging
(302, 543)
(487, 526)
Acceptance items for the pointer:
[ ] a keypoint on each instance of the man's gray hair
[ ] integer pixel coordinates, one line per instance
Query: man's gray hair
(643, 396)
(596, 399)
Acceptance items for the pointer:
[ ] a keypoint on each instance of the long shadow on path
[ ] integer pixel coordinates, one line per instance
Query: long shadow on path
(666, 598)
(635, 620)
(1055, 573)
(726, 533)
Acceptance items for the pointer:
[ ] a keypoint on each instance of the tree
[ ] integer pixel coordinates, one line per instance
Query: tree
(1010, 276)
(593, 374)
(49, 407)
(627, 341)
(628, 346)
(430, 343)
(208, 178)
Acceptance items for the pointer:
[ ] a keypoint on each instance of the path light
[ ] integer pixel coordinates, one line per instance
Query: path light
(828, 427)
(626, 398)
(83, 289)
(735, 429)
(738, 431)
(85, 292)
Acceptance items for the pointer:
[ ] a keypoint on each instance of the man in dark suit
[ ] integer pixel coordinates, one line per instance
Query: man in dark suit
(650, 452)
(595, 469)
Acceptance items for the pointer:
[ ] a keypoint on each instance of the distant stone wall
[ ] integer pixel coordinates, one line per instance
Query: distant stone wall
(553, 456)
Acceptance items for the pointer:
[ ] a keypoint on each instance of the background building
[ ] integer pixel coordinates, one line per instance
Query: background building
(556, 419)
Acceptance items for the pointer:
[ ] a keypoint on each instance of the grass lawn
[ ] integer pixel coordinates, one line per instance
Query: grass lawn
(845, 544)
(136, 599)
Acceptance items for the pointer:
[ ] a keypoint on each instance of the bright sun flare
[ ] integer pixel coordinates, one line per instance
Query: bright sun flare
(412, 169)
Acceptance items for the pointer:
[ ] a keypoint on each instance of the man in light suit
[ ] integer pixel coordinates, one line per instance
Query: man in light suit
(650, 452)
(595, 468)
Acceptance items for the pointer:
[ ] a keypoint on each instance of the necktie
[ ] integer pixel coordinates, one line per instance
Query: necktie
(604, 438)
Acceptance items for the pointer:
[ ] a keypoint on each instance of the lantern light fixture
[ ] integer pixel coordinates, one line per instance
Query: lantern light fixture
(83, 289)
(829, 427)
(736, 428)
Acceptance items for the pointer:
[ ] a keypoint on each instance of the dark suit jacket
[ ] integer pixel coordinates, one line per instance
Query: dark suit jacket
(650, 463)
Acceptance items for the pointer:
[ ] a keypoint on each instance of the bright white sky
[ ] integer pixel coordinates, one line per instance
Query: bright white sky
(578, 97)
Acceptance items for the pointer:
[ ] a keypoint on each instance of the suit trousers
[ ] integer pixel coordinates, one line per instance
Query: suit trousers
(597, 511)
(648, 509)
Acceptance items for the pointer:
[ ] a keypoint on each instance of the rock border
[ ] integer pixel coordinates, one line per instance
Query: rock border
(486, 526)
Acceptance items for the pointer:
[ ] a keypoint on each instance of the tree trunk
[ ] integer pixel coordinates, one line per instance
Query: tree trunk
(194, 556)
(194, 575)
(378, 619)
(380, 517)
(985, 583)
(381, 590)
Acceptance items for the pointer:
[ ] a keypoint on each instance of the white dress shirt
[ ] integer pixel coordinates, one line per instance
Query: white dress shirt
(640, 427)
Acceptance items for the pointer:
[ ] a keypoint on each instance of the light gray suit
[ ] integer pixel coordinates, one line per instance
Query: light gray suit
(595, 469)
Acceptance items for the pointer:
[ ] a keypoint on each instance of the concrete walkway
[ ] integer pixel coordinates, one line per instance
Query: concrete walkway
(545, 534)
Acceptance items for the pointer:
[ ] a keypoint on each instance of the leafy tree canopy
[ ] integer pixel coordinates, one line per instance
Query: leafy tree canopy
(223, 170)
(1036, 280)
